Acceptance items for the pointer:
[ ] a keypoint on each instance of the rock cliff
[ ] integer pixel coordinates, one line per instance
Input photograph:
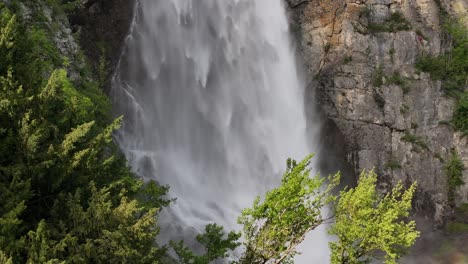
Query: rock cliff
(360, 56)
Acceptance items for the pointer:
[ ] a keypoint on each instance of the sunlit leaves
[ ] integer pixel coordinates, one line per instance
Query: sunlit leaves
(369, 225)
(216, 242)
(274, 226)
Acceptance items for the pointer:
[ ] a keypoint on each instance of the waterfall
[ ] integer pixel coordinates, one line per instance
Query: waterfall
(213, 106)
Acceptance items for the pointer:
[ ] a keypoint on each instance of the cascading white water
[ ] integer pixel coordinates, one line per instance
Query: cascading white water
(213, 106)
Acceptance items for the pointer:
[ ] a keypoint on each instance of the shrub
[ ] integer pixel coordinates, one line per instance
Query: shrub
(378, 77)
(452, 69)
(454, 171)
(392, 53)
(404, 109)
(415, 140)
(348, 59)
(393, 164)
(396, 78)
(395, 22)
(460, 117)
(399, 80)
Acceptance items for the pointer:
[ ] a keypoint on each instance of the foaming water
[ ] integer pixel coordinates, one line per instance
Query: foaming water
(213, 106)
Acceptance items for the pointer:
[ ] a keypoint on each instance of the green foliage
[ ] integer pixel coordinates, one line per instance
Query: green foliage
(404, 109)
(396, 79)
(368, 225)
(273, 227)
(4, 259)
(150, 195)
(378, 81)
(67, 194)
(459, 223)
(415, 140)
(454, 171)
(214, 242)
(420, 33)
(399, 80)
(365, 12)
(452, 69)
(394, 23)
(71, 6)
(457, 227)
(439, 157)
(327, 47)
(435, 66)
(378, 77)
(348, 59)
(7, 33)
(463, 210)
(103, 230)
(393, 164)
(460, 117)
(392, 54)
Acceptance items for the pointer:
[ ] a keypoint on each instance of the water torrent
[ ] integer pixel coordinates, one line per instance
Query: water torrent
(213, 106)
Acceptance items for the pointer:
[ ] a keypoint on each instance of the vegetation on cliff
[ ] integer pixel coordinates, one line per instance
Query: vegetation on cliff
(451, 67)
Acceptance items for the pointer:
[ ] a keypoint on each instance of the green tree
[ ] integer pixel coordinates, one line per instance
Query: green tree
(368, 225)
(274, 226)
(4, 259)
(216, 246)
(67, 193)
(101, 232)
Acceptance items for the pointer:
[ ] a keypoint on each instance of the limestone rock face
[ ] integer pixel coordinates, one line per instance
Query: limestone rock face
(390, 115)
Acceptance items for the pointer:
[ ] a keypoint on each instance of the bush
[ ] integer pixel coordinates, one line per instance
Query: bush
(452, 69)
(378, 77)
(460, 117)
(393, 164)
(396, 22)
(399, 80)
(415, 140)
(454, 171)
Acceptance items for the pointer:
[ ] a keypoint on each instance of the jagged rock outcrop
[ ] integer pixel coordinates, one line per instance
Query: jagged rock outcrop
(391, 116)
